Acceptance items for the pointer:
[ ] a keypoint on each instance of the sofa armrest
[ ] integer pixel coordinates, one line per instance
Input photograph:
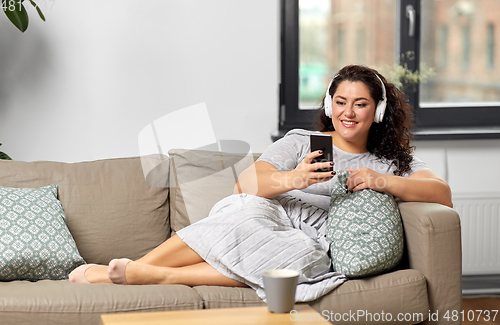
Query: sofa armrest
(433, 240)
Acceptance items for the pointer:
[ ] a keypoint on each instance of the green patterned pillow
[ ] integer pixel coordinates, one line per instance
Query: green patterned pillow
(35, 242)
(364, 230)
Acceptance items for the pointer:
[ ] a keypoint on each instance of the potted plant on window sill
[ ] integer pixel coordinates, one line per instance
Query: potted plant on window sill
(400, 75)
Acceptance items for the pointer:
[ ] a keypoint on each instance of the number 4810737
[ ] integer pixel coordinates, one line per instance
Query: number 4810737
(471, 315)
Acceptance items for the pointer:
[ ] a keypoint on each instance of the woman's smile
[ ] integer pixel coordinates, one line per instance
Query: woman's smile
(349, 123)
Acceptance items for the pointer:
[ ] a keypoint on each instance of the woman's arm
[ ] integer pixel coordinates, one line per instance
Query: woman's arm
(265, 180)
(421, 186)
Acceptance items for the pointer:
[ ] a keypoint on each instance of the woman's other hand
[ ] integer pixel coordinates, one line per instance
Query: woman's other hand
(363, 178)
(421, 186)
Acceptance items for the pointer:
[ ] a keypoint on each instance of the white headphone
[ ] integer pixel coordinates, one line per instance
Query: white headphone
(379, 111)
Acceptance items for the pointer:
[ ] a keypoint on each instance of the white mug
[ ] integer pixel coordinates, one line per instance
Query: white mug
(280, 287)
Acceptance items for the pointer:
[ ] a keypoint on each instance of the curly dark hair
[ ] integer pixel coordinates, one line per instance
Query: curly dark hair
(390, 139)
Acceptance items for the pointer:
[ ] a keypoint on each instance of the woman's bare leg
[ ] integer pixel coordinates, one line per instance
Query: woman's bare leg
(191, 275)
(174, 252)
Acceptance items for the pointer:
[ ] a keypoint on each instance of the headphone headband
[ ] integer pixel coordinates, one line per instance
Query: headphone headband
(379, 111)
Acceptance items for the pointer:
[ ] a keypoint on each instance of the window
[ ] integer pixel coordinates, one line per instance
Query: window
(442, 44)
(452, 46)
(361, 45)
(465, 47)
(341, 40)
(490, 47)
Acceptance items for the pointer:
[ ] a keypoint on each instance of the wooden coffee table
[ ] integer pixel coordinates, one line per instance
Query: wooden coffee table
(222, 316)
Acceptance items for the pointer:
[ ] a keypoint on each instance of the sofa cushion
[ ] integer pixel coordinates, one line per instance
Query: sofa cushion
(110, 209)
(199, 179)
(35, 242)
(63, 302)
(228, 297)
(402, 293)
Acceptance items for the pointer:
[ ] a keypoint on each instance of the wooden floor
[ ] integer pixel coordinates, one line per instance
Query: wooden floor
(480, 311)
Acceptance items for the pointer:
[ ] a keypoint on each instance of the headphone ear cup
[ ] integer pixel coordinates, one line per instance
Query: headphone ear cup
(328, 106)
(328, 101)
(379, 111)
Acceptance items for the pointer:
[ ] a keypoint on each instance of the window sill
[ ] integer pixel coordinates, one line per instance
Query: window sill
(456, 133)
(424, 134)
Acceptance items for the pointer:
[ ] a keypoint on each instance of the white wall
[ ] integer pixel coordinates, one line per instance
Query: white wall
(469, 166)
(83, 84)
(472, 169)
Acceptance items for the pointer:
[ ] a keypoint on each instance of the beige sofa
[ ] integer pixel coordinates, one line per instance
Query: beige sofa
(113, 212)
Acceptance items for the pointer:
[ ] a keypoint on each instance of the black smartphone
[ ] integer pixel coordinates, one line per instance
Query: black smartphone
(324, 143)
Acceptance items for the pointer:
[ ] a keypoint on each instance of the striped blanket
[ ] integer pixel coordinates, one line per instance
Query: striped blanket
(245, 235)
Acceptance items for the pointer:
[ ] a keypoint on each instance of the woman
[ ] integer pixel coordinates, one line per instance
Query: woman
(282, 225)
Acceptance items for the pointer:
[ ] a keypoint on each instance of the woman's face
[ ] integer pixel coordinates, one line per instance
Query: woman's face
(353, 110)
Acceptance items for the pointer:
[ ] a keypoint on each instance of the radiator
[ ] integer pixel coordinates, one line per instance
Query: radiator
(480, 220)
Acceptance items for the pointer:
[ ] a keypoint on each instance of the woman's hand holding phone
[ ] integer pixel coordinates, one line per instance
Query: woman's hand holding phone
(306, 173)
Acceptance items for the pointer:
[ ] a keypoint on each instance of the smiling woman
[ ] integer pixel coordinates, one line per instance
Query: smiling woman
(390, 137)
(356, 126)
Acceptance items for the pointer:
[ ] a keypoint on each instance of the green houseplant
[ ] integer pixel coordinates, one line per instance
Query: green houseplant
(17, 13)
(400, 75)
(3, 155)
